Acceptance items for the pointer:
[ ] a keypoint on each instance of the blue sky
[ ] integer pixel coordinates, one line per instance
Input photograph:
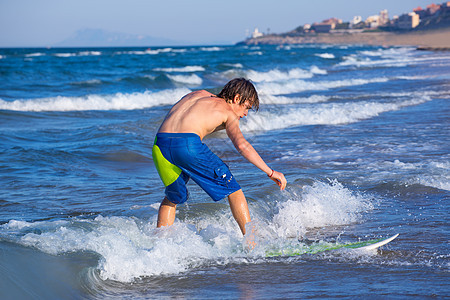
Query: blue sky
(29, 23)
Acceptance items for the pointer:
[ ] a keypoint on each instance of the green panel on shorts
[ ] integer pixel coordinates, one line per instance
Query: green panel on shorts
(166, 170)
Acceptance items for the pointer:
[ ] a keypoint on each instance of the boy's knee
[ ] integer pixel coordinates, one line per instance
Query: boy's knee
(167, 202)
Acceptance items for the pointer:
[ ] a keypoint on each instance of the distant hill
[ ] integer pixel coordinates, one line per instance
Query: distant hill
(102, 38)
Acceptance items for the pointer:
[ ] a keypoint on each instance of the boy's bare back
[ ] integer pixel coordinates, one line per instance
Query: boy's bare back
(198, 112)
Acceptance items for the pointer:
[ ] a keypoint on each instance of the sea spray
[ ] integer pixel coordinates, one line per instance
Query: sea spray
(319, 205)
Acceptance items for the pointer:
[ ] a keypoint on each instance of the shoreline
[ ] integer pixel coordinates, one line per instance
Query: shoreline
(424, 40)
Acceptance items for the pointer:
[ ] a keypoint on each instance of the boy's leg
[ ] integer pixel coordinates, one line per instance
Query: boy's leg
(239, 208)
(166, 213)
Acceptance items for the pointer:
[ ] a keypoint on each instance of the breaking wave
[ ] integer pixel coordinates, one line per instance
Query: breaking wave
(117, 101)
(323, 114)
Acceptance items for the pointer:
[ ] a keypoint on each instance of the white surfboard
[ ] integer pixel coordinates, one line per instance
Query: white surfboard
(378, 244)
(316, 248)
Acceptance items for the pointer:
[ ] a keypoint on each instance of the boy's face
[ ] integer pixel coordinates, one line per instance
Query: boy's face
(242, 109)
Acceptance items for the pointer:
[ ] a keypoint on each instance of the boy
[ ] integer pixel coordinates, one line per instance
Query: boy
(179, 154)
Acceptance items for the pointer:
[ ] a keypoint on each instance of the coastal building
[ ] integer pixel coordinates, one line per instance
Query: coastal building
(430, 11)
(408, 21)
(256, 33)
(433, 8)
(355, 21)
(322, 27)
(421, 12)
(327, 25)
(384, 18)
(373, 21)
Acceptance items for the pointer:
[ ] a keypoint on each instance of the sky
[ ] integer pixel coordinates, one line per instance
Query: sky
(43, 23)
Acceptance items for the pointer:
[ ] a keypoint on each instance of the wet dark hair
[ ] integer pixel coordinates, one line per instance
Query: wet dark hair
(244, 88)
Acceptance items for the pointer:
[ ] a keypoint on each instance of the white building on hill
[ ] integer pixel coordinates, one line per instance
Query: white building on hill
(256, 33)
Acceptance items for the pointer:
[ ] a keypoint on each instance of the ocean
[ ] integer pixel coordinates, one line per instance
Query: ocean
(360, 132)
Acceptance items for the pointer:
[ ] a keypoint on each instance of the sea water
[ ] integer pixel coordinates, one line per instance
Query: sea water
(361, 133)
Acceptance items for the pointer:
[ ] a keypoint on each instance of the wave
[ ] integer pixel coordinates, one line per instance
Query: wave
(430, 173)
(236, 65)
(87, 82)
(323, 114)
(150, 51)
(192, 79)
(272, 99)
(211, 49)
(117, 101)
(254, 53)
(393, 57)
(186, 69)
(64, 54)
(323, 204)
(89, 53)
(297, 85)
(390, 52)
(81, 53)
(132, 248)
(277, 75)
(325, 55)
(35, 54)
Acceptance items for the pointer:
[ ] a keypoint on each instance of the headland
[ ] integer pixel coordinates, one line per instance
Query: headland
(438, 39)
(424, 28)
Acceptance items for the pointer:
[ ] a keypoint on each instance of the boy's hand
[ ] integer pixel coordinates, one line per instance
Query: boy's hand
(279, 179)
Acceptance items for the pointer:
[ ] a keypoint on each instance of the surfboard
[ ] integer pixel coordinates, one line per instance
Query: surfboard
(324, 246)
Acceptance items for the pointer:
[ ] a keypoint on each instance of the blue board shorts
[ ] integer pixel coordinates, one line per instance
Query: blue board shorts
(181, 156)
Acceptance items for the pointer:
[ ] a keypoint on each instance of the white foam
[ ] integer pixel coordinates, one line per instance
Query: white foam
(298, 85)
(117, 101)
(65, 54)
(71, 54)
(211, 49)
(16, 225)
(392, 57)
(35, 54)
(131, 248)
(436, 181)
(236, 65)
(255, 53)
(281, 76)
(390, 52)
(317, 70)
(89, 53)
(192, 79)
(325, 55)
(92, 81)
(149, 51)
(186, 69)
(322, 114)
(428, 173)
(278, 75)
(319, 205)
(432, 174)
(272, 99)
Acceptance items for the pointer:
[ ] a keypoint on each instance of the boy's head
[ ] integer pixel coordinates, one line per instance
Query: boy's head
(244, 88)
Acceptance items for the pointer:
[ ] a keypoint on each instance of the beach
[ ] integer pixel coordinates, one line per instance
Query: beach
(361, 132)
(429, 39)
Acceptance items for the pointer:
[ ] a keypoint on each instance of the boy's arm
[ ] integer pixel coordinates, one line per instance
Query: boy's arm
(247, 151)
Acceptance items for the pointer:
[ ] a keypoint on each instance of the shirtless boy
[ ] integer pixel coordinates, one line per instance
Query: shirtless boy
(179, 154)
